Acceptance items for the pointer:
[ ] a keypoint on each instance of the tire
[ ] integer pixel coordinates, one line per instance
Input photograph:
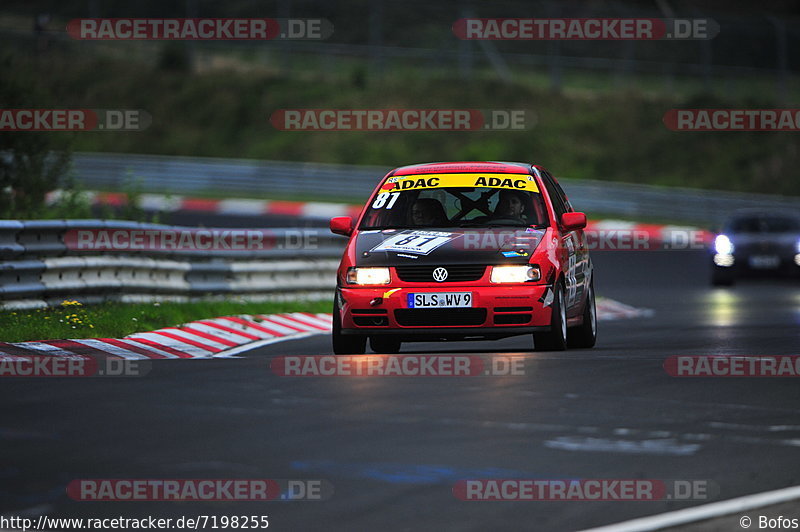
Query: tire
(585, 335)
(346, 344)
(556, 338)
(385, 345)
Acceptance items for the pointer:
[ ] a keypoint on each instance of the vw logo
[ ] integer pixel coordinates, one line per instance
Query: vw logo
(439, 274)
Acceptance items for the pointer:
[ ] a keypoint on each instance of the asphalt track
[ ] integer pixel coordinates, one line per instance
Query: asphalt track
(394, 447)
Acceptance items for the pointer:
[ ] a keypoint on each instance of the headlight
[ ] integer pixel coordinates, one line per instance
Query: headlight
(723, 245)
(515, 274)
(368, 276)
(798, 246)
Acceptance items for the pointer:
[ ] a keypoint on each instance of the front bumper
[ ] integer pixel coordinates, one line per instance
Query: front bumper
(496, 311)
(741, 266)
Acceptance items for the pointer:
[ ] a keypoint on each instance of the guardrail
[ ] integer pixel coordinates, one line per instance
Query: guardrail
(248, 177)
(38, 268)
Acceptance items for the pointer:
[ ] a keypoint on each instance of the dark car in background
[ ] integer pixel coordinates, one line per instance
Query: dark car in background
(756, 243)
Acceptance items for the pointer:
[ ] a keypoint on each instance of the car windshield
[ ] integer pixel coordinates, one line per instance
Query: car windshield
(765, 224)
(519, 204)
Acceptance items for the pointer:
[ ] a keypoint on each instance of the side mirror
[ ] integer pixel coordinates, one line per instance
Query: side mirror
(572, 221)
(342, 225)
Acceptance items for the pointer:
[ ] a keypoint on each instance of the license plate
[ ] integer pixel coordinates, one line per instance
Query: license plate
(765, 262)
(440, 300)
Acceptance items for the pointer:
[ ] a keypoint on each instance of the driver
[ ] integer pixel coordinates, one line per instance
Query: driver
(511, 204)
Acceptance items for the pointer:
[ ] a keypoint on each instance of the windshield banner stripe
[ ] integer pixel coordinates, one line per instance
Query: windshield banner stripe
(524, 182)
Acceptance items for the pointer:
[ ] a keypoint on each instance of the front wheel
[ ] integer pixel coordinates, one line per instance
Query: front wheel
(585, 334)
(346, 344)
(556, 338)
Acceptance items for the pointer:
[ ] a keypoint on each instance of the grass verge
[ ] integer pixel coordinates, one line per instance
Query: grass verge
(115, 320)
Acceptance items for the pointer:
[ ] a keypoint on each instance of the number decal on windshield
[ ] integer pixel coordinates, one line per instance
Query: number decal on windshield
(380, 201)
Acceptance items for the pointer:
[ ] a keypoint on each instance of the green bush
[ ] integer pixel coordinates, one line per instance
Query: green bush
(31, 163)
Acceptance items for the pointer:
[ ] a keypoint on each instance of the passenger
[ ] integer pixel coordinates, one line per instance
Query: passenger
(428, 212)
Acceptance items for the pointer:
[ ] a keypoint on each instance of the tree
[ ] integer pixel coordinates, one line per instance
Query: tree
(31, 163)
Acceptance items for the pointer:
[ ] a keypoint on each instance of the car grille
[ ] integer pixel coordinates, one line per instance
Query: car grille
(458, 273)
(440, 317)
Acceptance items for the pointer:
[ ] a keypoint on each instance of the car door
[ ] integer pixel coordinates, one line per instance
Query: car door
(574, 242)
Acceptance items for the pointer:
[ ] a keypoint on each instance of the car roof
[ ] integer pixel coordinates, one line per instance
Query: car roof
(498, 167)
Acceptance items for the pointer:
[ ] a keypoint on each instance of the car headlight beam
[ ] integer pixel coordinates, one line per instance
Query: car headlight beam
(515, 274)
(368, 276)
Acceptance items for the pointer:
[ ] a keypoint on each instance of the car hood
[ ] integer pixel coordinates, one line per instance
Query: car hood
(393, 247)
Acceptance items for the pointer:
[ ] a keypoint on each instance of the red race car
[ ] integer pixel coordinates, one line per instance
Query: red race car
(460, 251)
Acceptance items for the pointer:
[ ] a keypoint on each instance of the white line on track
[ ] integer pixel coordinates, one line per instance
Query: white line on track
(704, 512)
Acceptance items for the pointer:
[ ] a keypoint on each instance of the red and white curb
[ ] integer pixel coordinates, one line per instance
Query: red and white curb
(224, 337)
(232, 206)
(211, 338)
